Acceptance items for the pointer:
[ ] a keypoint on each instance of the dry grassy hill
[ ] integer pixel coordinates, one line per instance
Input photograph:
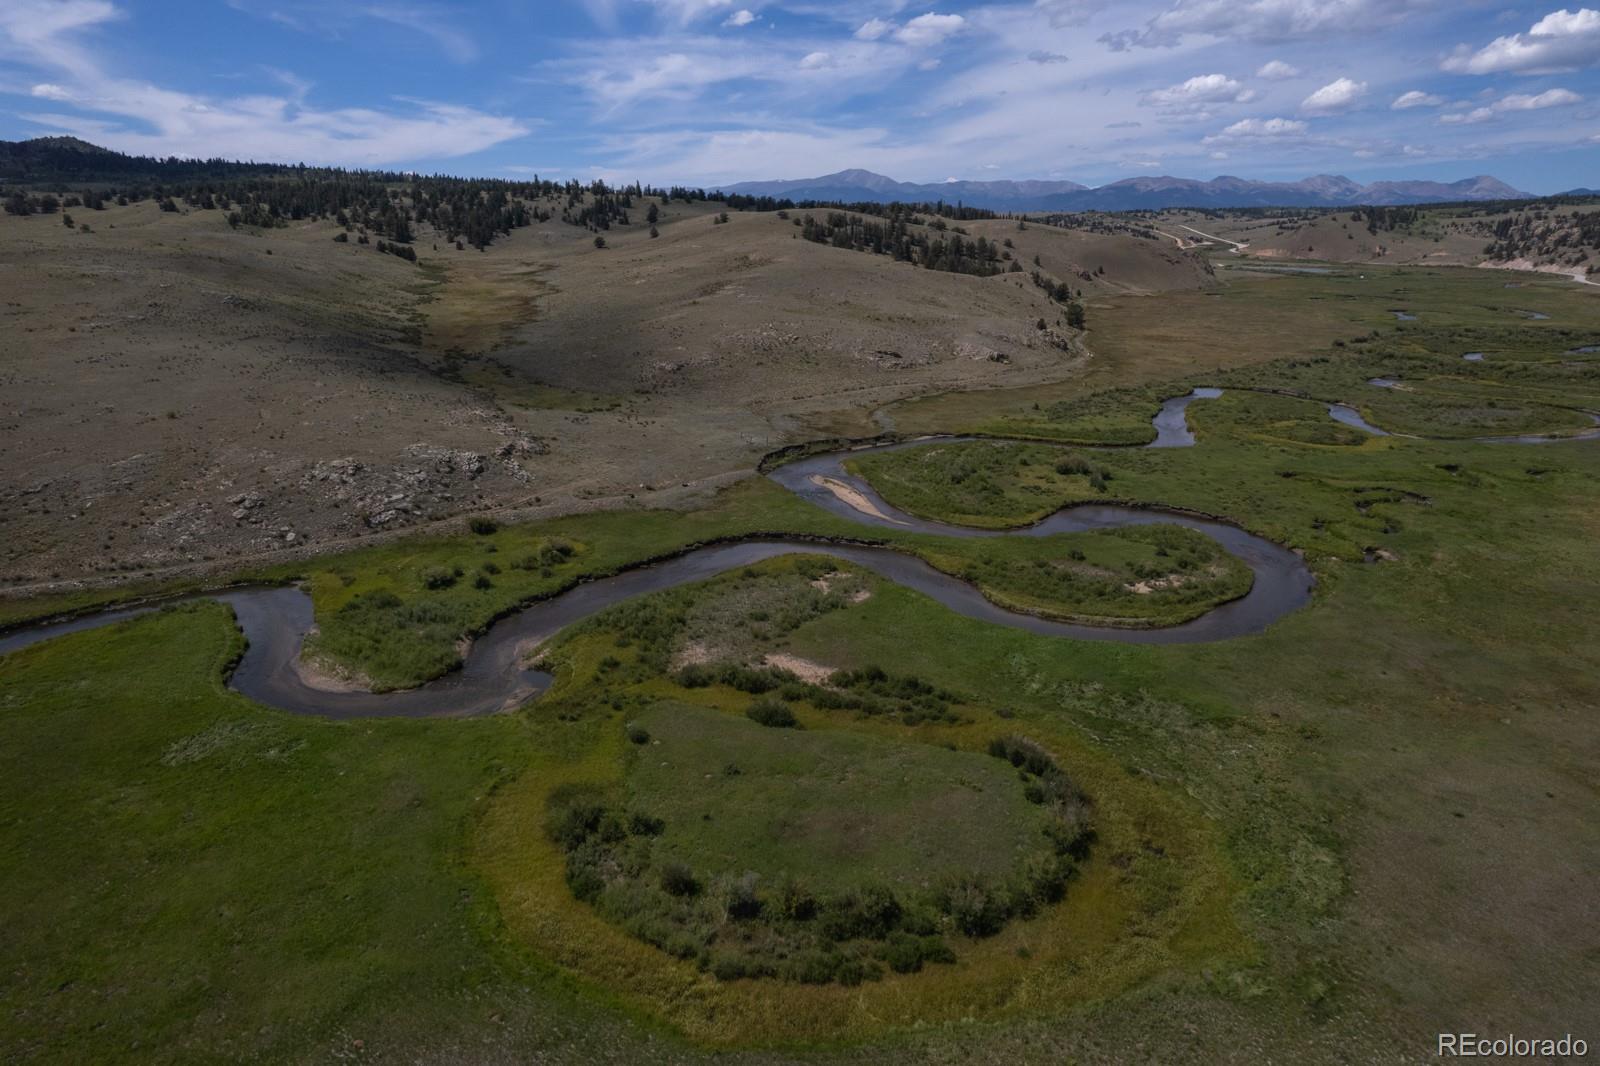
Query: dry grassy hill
(179, 393)
(1550, 237)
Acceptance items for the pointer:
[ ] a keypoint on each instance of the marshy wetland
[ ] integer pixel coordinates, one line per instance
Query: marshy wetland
(895, 752)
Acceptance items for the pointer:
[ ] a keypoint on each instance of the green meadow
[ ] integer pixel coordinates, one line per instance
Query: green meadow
(1370, 823)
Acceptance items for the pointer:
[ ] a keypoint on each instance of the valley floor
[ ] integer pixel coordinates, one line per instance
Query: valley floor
(1329, 841)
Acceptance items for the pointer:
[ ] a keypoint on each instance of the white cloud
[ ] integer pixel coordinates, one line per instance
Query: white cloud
(1201, 89)
(1562, 40)
(713, 157)
(1548, 98)
(674, 75)
(1513, 102)
(269, 128)
(43, 32)
(1263, 20)
(1277, 70)
(1070, 12)
(924, 31)
(872, 29)
(684, 12)
(1251, 128)
(337, 21)
(763, 72)
(1415, 98)
(742, 17)
(39, 21)
(425, 20)
(1337, 95)
(137, 117)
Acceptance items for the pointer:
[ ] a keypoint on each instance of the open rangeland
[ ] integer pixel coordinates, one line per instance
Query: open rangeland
(1281, 850)
(917, 777)
(182, 396)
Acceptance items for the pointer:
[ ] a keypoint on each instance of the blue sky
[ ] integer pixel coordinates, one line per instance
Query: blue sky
(713, 91)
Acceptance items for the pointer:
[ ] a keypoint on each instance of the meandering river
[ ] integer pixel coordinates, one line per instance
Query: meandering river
(275, 620)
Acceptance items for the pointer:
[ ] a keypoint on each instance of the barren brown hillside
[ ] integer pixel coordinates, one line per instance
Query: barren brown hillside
(171, 383)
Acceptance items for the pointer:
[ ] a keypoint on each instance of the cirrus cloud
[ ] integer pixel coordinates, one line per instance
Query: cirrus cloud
(1263, 20)
(138, 117)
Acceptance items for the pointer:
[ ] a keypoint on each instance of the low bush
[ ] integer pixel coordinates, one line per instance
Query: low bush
(678, 880)
(739, 899)
(871, 691)
(794, 902)
(904, 953)
(372, 602)
(645, 825)
(977, 908)
(438, 577)
(1070, 831)
(772, 714)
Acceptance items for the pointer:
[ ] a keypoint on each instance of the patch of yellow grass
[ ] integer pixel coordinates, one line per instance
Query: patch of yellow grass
(1154, 897)
(482, 302)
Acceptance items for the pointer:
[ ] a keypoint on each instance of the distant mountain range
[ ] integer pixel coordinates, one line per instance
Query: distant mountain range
(1147, 193)
(64, 159)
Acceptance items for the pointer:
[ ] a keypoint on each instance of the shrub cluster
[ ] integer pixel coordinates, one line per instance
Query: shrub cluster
(1045, 783)
(1204, 575)
(871, 691)
(1078, 466)
(439, 577)
(774, 714)
(735, 926)
(740, 612)
(551, 553)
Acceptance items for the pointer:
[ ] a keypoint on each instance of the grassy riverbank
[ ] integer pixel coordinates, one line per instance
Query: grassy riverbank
(1313, 844)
